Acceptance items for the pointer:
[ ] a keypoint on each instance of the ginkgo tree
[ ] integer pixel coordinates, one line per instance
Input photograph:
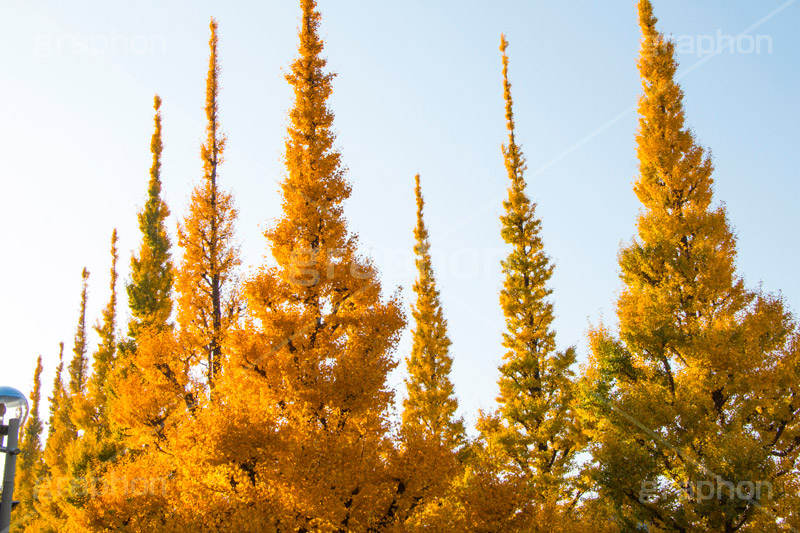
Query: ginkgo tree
(30, 465)
(55, 491)
(693, 405)
(208, 310)
(307, 372)
(88, 456)
(517, 475)
(149, 393)
(205, 281)
(432, 435)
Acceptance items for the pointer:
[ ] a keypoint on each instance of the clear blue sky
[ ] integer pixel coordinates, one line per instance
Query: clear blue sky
(418, 90)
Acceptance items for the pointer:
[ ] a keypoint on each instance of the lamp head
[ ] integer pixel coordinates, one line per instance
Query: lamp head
(13, 404)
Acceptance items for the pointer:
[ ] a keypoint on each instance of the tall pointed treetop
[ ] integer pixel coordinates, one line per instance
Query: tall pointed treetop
(79, 366)
(527, 271)
(107, 330)
(58, 386)
(150, 286)
(208, 302)
(31, 444)
(211, 151)
(156, 146)
(535, 381)
(316, 186)
(60, 429)
(431, 404)
(30, 468)
(514, 160)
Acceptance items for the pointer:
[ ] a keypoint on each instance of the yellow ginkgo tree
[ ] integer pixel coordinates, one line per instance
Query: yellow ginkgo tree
(150, 394)
(306, 433)
(30, 466)
(693, 407)
(520, 463)
(432, 435)
(205, 280)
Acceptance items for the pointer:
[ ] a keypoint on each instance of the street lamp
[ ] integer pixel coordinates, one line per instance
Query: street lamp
(13, 410)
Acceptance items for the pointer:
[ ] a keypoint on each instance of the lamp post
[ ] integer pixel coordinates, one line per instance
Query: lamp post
(13, 410)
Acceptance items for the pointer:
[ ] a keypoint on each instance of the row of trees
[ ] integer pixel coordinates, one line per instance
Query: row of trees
(262, 404)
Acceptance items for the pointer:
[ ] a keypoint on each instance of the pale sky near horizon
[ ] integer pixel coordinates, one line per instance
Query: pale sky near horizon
(418, 89)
